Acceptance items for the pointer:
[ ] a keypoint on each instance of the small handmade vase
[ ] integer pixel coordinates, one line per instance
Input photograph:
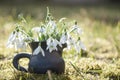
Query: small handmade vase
(40, 64)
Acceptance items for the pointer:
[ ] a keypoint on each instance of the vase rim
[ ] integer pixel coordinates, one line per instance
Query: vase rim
(37, 41)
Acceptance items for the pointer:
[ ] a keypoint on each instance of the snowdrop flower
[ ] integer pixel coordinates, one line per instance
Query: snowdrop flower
(52, 44)
(36, 29)
(70, 42)
(20, 40)
(20, 44)
(76, 29)
(56, 42)
(49, 40)
(28, 39)
(50, 27)
(11, 40)
(16, 39)
(38, 50)
(51, 47)
(82, 46)
(52, 24)
(63, 38)
(42, 29)
(79, 45)
(78, 48)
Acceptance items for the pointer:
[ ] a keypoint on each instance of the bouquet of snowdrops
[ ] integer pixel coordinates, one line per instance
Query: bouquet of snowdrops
(53, 32)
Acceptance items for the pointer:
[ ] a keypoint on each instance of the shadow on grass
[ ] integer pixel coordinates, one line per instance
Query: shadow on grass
(2, 56)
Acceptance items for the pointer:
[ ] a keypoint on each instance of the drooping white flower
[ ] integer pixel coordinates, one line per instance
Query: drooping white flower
(37, 34)
(82, 45)
(52, 23)
(79, 45)
(79, 31)
(36, 29)
(70, 42)
(28, 39)
(16, 40)
(11, 40)
(63, 38)
(56, 42)
(42, 30)
(12, 36)
(51, 47)
(77, 48)
(38, 50)
(20, 45)
(49, 40)
(52, 26)
(20, 40)
(52, 44)
(76, 29)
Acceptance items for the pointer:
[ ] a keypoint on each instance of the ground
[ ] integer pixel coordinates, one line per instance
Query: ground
(101, 26)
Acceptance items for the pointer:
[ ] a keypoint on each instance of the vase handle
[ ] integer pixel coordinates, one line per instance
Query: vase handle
(16, 61)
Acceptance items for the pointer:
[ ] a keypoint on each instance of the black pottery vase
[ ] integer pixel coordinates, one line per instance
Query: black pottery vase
(40, 64)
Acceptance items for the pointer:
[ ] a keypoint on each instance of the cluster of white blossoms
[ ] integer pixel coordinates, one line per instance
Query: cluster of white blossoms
(17, 39)
(54, 33)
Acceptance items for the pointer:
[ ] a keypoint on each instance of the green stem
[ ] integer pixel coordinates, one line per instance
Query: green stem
(97, 71)
(76, 68)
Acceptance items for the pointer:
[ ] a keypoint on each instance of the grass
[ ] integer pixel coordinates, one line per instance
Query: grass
(101, 37)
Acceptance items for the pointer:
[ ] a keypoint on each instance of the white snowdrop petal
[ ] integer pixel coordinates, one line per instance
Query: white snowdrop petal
(42, 30)
(50, 50)
(78, 48)
(9, 45)
(52, 46)
(68, 47)
(47, 47)
(42, 51)
(21, 45)
(52, 23)
(73, 28)
(70, 41)
(63, 39)
(57, 43)
(54, 43)
(36, 51)
(49, 41)
(82, 46)
(76, 29)
(11, 37)
(36, 29)
(55, 48)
